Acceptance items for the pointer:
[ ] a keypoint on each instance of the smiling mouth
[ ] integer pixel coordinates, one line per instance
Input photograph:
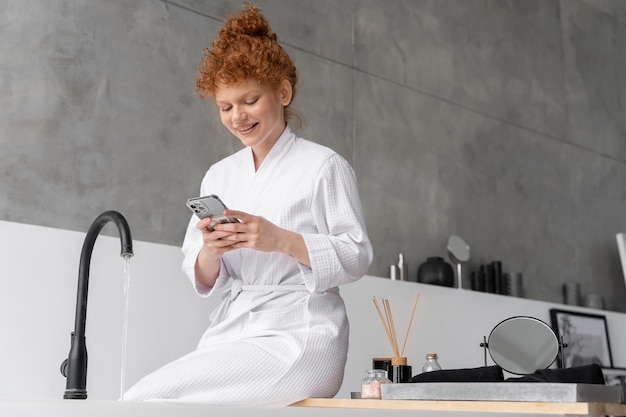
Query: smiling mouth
(244, 129)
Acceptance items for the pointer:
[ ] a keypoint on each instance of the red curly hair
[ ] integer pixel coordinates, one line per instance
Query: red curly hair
(245, 48)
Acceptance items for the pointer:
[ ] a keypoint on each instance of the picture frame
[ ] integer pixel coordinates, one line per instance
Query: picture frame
(586, 337)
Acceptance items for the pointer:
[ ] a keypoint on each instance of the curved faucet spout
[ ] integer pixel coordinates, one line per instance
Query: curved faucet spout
(75, 366)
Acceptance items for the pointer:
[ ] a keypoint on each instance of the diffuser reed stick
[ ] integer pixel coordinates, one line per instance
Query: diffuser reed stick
(385, 325)
(409, 326)
(392, 327)
(389, 325)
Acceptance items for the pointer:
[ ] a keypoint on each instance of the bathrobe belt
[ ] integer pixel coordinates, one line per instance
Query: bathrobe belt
(237, 287)
(230, 294)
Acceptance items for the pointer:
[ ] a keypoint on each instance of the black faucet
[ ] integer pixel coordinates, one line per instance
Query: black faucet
(74, 368)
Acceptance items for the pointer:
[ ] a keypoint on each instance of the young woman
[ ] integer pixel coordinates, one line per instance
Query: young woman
(280, 333)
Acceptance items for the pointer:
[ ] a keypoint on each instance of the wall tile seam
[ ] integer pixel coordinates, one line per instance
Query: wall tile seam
(356, 70)
(300, 49)
(476, 111)
(189, 9)
(597, 153)
(281, 42)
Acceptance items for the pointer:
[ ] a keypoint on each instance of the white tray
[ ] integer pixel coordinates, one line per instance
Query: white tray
(503, 391)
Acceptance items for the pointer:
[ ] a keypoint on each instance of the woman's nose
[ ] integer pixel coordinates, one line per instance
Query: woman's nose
(239, 114)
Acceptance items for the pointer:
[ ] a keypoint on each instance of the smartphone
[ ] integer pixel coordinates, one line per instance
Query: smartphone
(210, 206)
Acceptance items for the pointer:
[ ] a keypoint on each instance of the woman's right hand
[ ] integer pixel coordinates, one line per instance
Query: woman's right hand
(213, 242)
(213, 247)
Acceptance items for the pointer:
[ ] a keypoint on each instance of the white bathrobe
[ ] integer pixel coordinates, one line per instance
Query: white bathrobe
(280, 333)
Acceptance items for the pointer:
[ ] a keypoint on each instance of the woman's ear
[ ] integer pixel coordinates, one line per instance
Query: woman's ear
(286, 92)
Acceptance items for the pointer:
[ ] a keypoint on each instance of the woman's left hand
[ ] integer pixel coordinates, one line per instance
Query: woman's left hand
(256, 232)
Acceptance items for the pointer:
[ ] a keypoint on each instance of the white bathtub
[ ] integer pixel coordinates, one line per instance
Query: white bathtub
(38, 280)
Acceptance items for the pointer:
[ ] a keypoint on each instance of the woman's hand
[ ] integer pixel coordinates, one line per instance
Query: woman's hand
(214, 242)
(256, 232)
(213, 247)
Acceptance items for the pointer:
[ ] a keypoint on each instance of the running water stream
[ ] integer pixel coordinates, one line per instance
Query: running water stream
(125, 325)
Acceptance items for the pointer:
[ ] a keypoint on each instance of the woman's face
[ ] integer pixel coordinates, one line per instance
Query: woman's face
(254, 113)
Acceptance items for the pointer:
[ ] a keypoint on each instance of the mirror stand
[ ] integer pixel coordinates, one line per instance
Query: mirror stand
(562, 347)
(485, 346)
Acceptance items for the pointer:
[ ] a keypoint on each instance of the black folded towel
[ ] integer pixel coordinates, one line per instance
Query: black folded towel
(586, 374)
(482, 374)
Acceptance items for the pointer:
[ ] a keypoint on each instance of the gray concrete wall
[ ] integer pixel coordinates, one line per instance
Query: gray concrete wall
(499, 121)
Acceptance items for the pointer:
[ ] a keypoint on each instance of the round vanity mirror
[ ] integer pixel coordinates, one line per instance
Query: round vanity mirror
(458, 249)
(521, 345)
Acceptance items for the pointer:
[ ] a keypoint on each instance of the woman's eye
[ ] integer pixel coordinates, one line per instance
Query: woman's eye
(225, 109)
(253, 101)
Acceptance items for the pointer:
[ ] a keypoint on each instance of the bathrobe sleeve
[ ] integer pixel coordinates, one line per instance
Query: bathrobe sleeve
(341, 251)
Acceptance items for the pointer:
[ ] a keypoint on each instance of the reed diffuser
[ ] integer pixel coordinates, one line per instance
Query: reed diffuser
(399, 370)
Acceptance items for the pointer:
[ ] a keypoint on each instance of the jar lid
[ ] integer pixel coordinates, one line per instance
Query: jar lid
(376, 373)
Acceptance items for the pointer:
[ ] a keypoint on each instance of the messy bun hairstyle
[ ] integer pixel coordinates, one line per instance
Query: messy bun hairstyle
(245, 48)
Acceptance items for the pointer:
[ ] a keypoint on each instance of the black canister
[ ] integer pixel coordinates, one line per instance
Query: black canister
(498, 279)
(400, 373)
(478, 281)
(397, 370)
(490, 280)
(436, 271)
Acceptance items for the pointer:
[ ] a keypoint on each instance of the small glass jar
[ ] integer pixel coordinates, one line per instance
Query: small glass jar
(432, 364)
(370, 385)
